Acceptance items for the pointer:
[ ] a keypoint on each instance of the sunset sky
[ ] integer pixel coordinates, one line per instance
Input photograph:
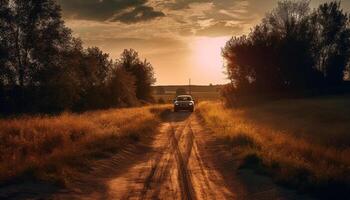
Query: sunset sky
(181, 38)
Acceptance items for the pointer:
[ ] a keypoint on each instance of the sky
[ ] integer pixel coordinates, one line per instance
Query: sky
(181, 38)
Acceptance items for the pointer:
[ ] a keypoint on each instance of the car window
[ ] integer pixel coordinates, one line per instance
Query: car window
(184, 99)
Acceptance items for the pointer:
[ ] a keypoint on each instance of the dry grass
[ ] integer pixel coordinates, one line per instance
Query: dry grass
(301, 143)
(53, 148)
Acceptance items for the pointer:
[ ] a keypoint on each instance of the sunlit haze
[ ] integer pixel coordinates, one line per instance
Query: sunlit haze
(181, 38)
(207, 59)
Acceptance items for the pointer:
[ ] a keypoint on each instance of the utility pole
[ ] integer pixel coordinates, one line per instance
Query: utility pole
(189, 87)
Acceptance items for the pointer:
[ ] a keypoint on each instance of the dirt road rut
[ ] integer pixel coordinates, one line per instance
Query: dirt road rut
(176, 169)
(183, 162)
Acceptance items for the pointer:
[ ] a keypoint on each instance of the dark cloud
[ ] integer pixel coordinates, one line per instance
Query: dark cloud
(221, 13)
(141, 13)
(183, 4)
(105, 10)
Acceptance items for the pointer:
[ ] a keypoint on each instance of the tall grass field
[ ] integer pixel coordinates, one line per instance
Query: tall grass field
(302, 143)
(54, 148)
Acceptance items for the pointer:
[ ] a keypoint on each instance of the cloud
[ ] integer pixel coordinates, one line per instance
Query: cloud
(153, 47)
(141, 13)
(219, 29)
(151, 44)
(184, 4)
(166, 42)
(127, 11)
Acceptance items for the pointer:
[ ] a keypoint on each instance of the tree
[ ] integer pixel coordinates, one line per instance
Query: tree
(35, 34)
(94, 73)
(43, 68)
(32, 38)
(291, 51)
(5, 70)
(333, 37)
(142, 72)
(61, 87)
(122, 89)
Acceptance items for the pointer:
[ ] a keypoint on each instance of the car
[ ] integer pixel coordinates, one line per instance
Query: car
(184, 102)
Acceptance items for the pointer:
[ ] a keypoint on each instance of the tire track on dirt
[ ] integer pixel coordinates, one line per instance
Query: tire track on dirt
(162, 163)
(179, 170)
(187, 190)
(205, 184)
(174, 167)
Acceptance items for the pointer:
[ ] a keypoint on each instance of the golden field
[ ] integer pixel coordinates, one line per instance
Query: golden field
(302, 143)
(53, 148)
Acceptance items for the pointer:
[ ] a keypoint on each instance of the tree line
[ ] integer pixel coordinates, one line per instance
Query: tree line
(43, 68)
(293, 50)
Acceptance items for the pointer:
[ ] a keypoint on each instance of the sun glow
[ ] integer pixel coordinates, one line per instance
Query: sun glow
(207, 55)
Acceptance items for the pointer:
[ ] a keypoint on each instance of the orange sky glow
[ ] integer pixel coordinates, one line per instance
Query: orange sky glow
(181, 38)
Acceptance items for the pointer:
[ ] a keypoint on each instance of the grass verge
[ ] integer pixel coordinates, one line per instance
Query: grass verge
(55, 148)
(273, 139)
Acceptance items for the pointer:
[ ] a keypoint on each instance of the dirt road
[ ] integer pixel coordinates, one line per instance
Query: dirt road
(180, 164)
(175, 167)
(176, 170)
